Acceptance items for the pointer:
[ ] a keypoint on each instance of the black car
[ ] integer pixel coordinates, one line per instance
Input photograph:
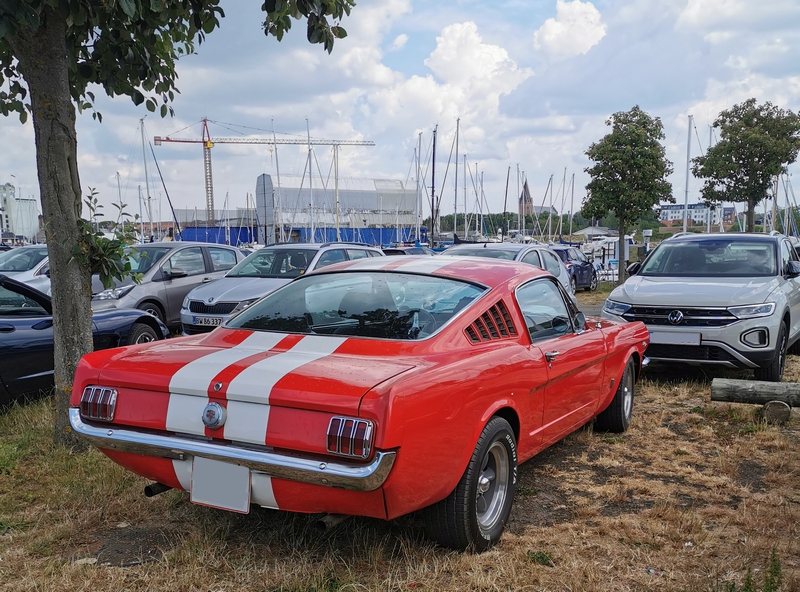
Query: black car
(4, 247)
(582, 273)
(26, 337)
(408, 251)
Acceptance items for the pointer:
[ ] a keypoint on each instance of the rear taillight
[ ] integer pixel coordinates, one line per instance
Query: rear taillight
(98, 402)
(350, 437)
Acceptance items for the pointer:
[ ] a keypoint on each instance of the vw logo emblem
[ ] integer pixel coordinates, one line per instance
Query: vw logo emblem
(675, 317)
(214, 416)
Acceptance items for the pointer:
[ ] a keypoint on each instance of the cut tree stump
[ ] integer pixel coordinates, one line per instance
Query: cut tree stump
(778, 398)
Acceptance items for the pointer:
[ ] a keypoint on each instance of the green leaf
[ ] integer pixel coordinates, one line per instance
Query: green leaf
(138, 98)
(128, 7)
(163, 110)
(151, 105)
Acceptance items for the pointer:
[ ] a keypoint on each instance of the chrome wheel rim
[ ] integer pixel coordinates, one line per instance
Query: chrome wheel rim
(627, 393)
(492, 487)
(782, 355)
(144, 338)
(593, 285)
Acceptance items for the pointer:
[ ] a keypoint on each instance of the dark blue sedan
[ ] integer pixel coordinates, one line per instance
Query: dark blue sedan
(26, 337)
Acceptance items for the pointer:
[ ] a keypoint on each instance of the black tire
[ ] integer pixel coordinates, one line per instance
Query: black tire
(474, 515)
(153, 309)
(774, 371)
(141, 333)
(593, 284)
(573, 284)
(616, 417)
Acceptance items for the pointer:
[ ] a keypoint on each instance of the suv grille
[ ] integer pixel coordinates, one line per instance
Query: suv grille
(692, 317)
(220, 308)
(701, 353)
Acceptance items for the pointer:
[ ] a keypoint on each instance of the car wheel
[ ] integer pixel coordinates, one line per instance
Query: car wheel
(617, 416)
(474, 515)
(153, 309)
(593, 284)
(774, 371)
(573, 284)
(141, 333)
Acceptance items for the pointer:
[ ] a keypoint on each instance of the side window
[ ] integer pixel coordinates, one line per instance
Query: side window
(546, 314)
(330, 257)
(221, 259)
(551, 263)
(786, 256)
(373, 253)
(532, 258)
(189, 260)
(357, 253)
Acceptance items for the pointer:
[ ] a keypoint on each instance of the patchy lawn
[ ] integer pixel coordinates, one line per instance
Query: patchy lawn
(689, 498)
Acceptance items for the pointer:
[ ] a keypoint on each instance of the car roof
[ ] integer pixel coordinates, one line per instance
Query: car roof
(751, 236)
(480, 270)
(498, 246)
(315, 246)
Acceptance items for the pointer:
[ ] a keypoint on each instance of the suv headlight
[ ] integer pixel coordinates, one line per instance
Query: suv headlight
(242, 305)
(616, 308)
(752, 311)
(112, 293)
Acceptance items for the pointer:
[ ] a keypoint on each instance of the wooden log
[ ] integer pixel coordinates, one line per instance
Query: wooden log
(755, 391)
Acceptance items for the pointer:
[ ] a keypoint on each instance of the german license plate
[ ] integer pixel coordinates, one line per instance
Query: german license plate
(212, 321)
(220, 485)
(674, 338)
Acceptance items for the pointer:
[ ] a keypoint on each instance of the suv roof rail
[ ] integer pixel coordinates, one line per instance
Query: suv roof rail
(679, 234)
(348, 243)
(775, 233)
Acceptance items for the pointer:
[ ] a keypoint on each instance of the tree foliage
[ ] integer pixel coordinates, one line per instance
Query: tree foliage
(54, 54)
(757, 143)
(629, 176)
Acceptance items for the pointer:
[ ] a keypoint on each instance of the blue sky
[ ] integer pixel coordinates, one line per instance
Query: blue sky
(532, 81)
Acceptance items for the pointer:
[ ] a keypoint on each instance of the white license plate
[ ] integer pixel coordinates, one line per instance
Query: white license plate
(220, 485)
(213, 321)
(674, 338)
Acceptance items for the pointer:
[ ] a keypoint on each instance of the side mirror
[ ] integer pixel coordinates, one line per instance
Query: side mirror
(634, 268)
(793, 269)
(580, 321)
(175, 273)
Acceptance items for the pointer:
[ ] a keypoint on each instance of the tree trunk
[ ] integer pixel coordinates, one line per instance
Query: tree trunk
(751, 215)
(621, 263)
(754, 391)
(43, 58)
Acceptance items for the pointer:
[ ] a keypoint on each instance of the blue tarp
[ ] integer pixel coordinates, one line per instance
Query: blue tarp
(235, 235)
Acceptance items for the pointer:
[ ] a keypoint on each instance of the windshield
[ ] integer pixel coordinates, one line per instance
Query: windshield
(713, 257)
(22, 259)
(274, 263)
(483, 252)
(142, 258)
(360, 304)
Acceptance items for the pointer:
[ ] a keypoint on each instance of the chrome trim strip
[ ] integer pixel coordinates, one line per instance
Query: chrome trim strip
(727, 363)
(279, 465)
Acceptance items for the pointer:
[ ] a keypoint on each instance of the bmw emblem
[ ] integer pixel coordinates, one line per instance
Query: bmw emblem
(675, 317)
(214, 416)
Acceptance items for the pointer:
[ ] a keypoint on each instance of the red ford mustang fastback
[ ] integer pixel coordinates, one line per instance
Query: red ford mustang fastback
(375, 387)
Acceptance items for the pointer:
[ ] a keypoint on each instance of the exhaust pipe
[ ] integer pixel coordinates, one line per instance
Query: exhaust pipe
(328, 521)
(155, 488)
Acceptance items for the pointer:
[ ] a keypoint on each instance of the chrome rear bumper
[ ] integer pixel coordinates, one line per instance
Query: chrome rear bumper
(279, 465)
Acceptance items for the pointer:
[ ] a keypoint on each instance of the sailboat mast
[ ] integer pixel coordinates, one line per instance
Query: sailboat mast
(505, 205)
(686, 194)
(146, 178)
(465, 197)
(455, 183)
(336, 188)
(418, 204)
(432, 240)
(571, 205)
(278, 204)
(310, 188)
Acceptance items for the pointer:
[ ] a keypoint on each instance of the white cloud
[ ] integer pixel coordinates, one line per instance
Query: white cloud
(399, 42)
(576, 28)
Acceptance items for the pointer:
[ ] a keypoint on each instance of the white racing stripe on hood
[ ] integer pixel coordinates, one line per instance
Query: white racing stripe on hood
(195, 377)
(427, 265)
(255, 383)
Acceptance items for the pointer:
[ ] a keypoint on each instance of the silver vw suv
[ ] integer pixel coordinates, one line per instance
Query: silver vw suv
(716, 299)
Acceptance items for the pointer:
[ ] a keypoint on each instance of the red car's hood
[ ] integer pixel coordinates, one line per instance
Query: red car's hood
(308, 371)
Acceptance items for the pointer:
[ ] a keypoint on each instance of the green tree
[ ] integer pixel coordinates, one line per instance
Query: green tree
(757, 143)
(629, 176)
(51, 53)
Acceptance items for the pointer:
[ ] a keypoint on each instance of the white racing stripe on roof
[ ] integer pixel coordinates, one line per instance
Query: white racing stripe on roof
(196, 376)
(427, 265)
(255, 383)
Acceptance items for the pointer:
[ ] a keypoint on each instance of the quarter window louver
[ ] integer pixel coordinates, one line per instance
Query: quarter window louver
(494, 324)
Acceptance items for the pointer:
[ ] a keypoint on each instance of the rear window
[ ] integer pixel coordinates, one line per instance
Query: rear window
(397, 306)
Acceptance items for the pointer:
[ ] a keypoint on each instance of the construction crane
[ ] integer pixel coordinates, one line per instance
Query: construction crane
(208, 143)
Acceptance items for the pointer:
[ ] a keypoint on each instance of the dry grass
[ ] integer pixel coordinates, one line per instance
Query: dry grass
(597, 297)
(689, 498)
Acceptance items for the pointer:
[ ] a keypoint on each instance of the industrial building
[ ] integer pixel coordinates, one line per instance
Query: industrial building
(19, 216)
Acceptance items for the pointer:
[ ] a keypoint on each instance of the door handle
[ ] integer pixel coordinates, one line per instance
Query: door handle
(7, 328)
(552, 355)
(206, 280)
